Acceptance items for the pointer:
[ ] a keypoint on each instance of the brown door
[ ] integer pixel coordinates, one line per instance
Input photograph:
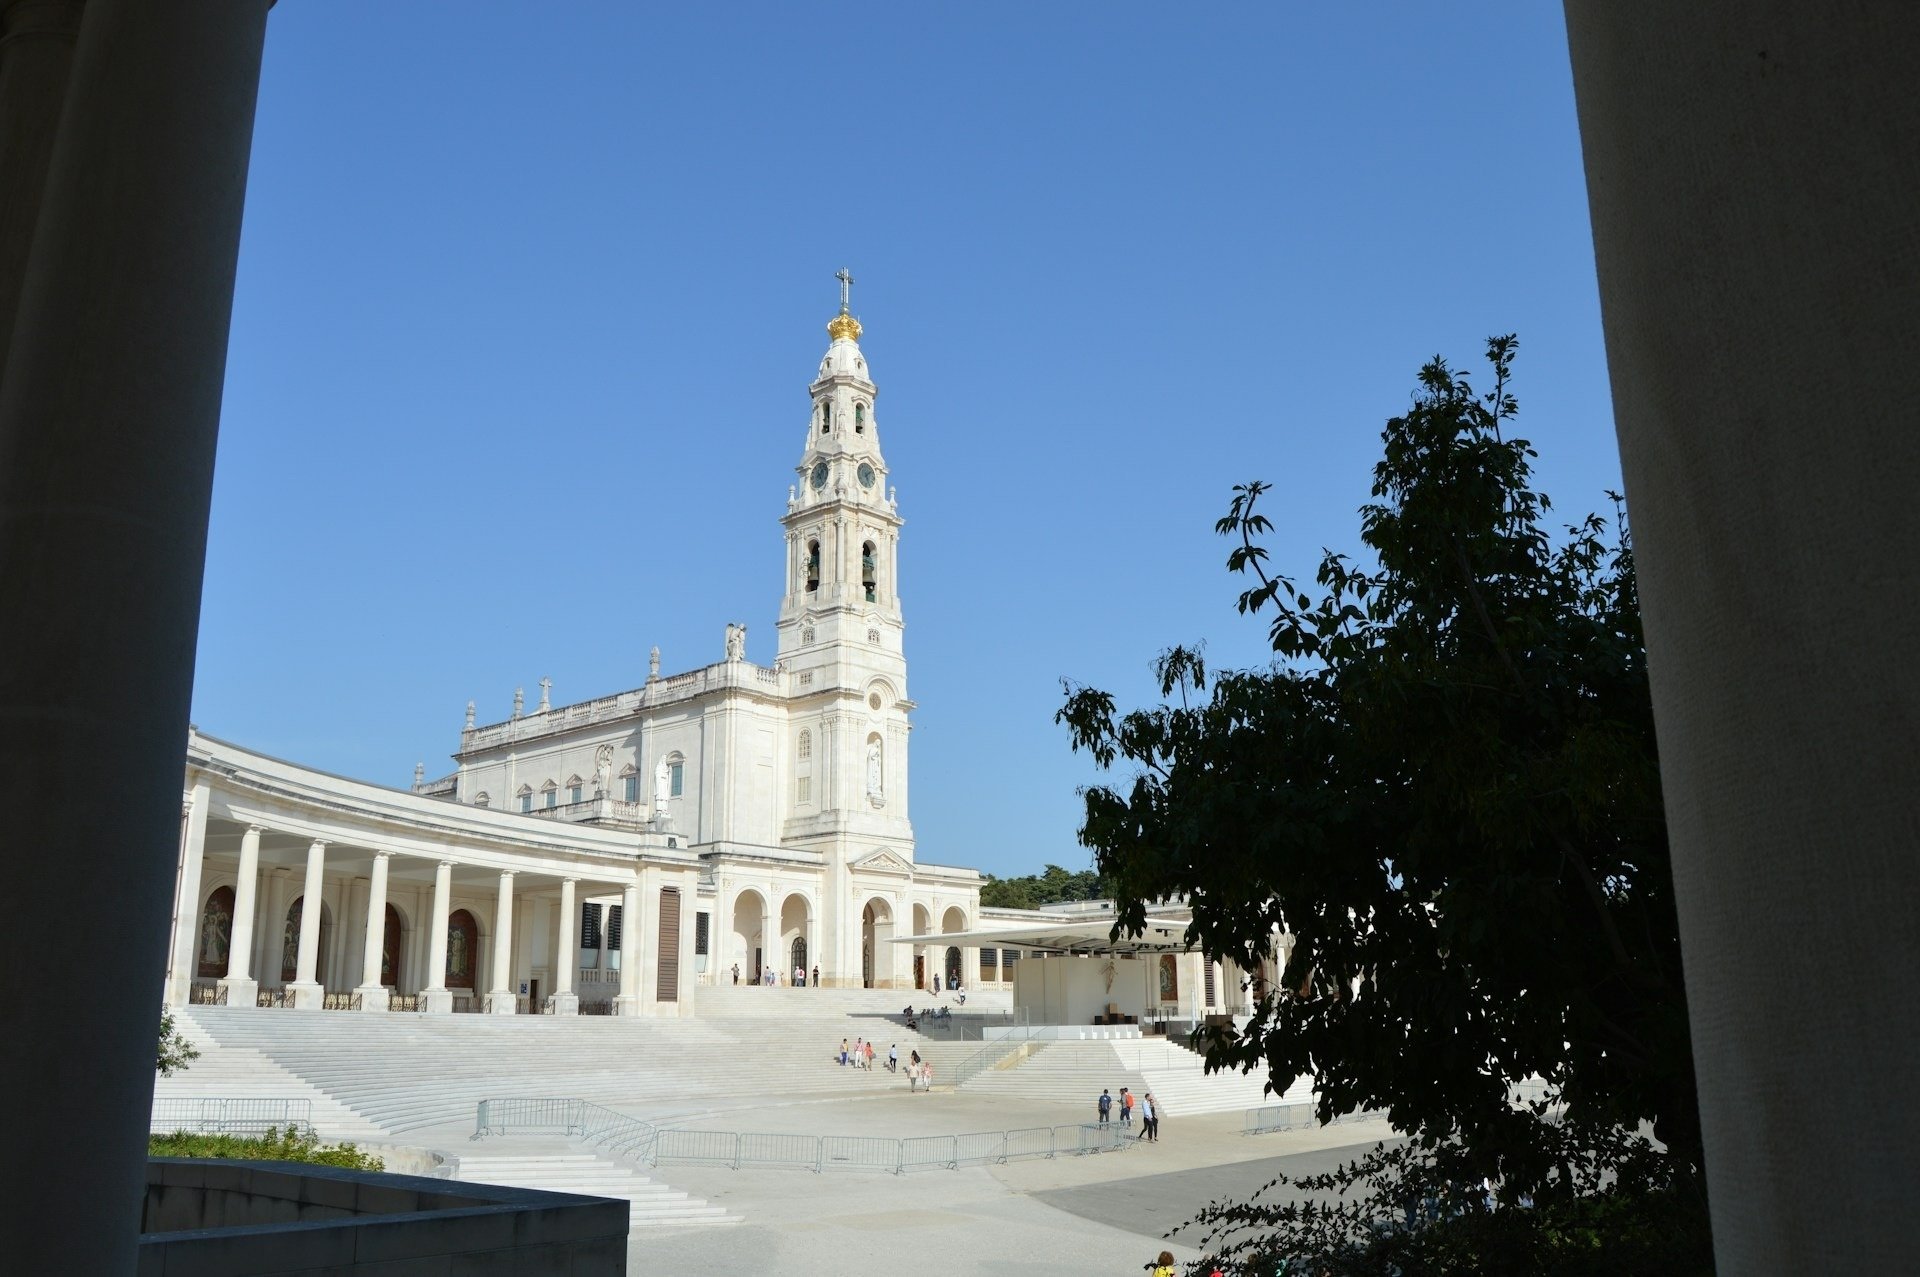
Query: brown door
(668, 952)
(533, 997)
(919, 971)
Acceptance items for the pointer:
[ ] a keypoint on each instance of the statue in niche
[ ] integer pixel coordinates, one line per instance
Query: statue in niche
(602, 771)
(216, 931)
(459, 953)
(875, 788)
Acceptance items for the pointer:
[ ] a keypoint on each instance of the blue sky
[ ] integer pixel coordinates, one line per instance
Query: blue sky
(529, 296)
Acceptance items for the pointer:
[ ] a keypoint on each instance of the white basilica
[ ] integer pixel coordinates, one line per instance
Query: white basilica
(613, 854)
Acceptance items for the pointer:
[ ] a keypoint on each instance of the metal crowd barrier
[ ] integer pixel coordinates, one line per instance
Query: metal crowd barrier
(207, 1115)
(1296, 1117)
(650, 1145)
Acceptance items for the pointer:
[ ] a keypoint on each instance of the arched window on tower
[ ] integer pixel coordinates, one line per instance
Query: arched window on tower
(859, 419)
(813, 566)
(869, 576)
(826, 417)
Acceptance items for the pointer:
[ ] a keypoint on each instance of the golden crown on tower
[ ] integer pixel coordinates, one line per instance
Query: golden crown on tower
(844, 324)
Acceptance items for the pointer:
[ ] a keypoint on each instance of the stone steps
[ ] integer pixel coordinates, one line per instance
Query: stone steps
(654, 1205)
(405, 1072)
(1073, 1073)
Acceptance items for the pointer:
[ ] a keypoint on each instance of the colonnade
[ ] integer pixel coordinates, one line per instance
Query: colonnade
(240, 983)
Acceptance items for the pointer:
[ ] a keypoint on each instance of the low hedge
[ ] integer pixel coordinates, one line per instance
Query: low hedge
(290, 1145)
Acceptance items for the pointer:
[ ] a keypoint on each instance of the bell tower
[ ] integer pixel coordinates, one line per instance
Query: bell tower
(840, 627)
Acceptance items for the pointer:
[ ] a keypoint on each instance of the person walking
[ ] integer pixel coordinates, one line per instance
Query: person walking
(1148, 1130)
(843, 1052)
(799, 977)
(1105, 1105)
(869, 1057)
(893, 1058)
(1126, 1108)
(816, 975)
(1163, 1266)
(736, 973)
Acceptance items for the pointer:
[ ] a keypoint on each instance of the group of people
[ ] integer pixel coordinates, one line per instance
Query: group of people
(860, 1055)
(770, 977)
(1126, 1103)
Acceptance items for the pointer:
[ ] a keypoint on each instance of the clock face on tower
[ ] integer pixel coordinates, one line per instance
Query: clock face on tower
(819, 475)
(866, 475)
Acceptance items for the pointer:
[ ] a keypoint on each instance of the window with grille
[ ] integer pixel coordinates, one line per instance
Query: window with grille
(989, 964)
(701, 921)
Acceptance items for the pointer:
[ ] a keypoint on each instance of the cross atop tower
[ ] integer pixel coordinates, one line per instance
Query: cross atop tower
(845, 277)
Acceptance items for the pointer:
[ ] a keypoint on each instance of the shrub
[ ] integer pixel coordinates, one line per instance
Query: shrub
(290, 1145)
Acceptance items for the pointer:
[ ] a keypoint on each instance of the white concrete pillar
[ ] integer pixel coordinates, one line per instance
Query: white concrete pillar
(628, 1002)
(438, 999)
(372, 990)
(500, 1000)
(118, 352)
(769, 937)
(186, 933)
(239, 983)
(565, 1000)
(305, 988)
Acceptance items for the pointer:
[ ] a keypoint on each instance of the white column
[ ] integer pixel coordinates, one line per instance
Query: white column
(186, 929)
(372, 990)
(629, 1001)
(239, 983)
(500, 1000)
(305, 989)
(437, 997)
(565, 1000)
(770, 937)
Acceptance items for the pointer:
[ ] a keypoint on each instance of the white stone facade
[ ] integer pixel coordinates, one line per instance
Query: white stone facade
(767, 804)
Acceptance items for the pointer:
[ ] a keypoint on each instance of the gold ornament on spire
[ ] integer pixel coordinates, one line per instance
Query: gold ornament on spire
(844, 325)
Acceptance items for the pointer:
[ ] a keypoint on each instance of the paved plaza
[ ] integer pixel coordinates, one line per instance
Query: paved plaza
(1069, 1215)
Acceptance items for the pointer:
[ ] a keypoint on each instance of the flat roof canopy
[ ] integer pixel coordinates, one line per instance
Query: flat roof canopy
(1162, 935)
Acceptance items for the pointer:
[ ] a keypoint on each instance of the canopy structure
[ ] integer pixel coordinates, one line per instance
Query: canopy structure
(1163, 934)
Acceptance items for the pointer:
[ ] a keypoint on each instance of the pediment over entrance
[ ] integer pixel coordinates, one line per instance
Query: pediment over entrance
(883, 861)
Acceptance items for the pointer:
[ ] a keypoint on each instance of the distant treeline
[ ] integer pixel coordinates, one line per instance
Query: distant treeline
(1052, 886)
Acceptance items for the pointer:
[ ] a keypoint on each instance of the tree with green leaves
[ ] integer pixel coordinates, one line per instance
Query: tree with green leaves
(1444, 794)
(1053, 885)
(175, 1052)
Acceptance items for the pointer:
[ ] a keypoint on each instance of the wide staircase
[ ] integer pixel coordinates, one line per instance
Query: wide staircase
(403, 1072)
(1074, 1073)
(655, 1205)
(243, 1073)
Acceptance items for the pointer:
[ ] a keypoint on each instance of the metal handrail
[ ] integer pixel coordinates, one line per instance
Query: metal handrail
(650, 1145)
(992, 1054)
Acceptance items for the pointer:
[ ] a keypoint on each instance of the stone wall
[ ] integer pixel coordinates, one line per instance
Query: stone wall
(257, 1219)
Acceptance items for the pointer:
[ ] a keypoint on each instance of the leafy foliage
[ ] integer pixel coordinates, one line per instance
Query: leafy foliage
(175, 1052)
(1443, 794)
(1413, 1211)
(1052, 886)
(290, 1145)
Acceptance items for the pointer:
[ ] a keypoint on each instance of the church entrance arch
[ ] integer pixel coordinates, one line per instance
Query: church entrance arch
(216, 931)
(952, 922)
(796, 927)
(749, 938)
(876, 944)
(922, 968)
(463, 949)
(290, 943)
(390, 949)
